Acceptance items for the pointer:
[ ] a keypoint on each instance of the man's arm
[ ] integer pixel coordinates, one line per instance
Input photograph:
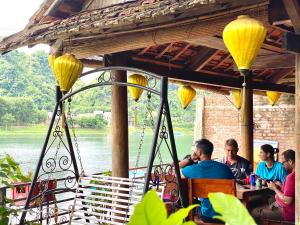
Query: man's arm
(188, 160)
(285, 199)
(185, 162)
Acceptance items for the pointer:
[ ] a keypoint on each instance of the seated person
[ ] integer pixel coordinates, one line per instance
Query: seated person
(206, 168)
(284, 206)
(189, 160)
(240, 167)
(268, 169)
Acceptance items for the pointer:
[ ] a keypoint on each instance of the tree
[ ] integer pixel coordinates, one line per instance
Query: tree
(8, 119)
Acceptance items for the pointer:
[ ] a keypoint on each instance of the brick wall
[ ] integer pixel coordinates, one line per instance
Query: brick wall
(221, 121)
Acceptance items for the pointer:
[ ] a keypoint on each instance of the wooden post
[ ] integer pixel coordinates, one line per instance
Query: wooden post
(119, 116)
(297, 132)
(246, 149)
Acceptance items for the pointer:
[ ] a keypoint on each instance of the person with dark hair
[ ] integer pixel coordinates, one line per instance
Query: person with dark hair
(206, 168)
(284, 206)
(269, 169)
(240, 167)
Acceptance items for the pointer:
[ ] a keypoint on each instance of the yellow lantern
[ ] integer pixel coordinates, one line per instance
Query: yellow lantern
(186, 94)
(139, 80)
(244, 37)
(273, 97)
(51, 60)
(236, 96)
(67, 70)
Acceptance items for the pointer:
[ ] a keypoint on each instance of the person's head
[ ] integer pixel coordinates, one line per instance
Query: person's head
(267, 152)
(203, 149)
(288, 160)
(231, 148)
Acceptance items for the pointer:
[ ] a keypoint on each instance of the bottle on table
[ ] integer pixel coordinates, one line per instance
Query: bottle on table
(252, 179)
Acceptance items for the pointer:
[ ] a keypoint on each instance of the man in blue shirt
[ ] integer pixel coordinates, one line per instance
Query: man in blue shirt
(206, 168)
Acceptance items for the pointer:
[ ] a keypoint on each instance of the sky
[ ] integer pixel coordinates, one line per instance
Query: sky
(14, 16)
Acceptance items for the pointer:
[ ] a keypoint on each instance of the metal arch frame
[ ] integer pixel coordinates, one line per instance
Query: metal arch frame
(163, 109)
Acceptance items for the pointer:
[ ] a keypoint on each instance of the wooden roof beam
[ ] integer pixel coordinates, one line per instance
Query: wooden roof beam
(280, 74)
(293, 10)
(274, 61)
(203, 56)
(217, 43)
(90, 63)
(202, 78)
(180, 52)
(164, 51)
(143, 51)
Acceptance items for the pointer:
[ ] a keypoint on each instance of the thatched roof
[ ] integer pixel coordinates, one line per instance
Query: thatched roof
(181, 39)
(56, 19)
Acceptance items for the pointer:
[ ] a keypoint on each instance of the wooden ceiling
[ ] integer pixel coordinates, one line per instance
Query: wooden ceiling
(272, 63)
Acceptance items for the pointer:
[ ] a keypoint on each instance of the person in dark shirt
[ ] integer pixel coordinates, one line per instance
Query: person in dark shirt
(240, 167)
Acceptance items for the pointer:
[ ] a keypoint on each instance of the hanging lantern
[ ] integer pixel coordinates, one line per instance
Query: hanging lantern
(236, 96)
(67, 70)
(244, 37)
(51, 60)
(273, 97)
(139, 80)
(186, 94)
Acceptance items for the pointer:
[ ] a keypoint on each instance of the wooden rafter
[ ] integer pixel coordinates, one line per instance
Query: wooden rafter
(143, 51)
(227, 56)
(157, 62)
(274, 61)
(180, 52)
(199, 77)
(280, 74)
(203, 56)
(169, 46)
(92, 63)
(292, 8)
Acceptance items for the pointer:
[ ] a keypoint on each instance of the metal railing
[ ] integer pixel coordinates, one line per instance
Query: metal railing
(50, 212)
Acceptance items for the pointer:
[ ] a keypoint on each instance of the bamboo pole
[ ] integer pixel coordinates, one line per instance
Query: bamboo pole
(247, 118)
(297, 135)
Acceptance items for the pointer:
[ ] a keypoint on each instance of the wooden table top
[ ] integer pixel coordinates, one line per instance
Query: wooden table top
(244, 191)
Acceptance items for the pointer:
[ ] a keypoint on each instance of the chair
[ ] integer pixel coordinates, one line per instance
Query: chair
(199, 188)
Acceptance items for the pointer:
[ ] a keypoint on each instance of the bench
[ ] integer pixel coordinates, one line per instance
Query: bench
(104, 199)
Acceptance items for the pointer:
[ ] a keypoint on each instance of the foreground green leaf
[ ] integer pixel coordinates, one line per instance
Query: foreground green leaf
(178, 217)
(232, 211)
(151, 211)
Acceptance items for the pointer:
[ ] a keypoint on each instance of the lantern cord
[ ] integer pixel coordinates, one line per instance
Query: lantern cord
(229, 100)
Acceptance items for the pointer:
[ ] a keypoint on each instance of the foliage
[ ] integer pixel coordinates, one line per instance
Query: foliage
(91, 122)
(27, 92)
(151, 211)
(8, 119)
(231, 209)
(9, 172)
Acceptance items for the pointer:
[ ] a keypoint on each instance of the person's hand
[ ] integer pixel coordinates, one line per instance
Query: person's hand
(263, 182)
(194, 157)
(271, 185)
(278, 183)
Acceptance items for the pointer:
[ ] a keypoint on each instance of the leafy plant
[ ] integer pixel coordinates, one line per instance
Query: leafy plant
(151, 211)
(231, 209)
(9, 172)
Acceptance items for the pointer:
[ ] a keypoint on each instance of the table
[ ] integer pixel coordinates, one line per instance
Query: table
(244, 194)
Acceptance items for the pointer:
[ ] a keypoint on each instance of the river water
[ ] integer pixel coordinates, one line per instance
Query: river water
(95, 149)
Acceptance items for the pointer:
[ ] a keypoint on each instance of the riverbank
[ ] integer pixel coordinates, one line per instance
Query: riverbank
(41, 130)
